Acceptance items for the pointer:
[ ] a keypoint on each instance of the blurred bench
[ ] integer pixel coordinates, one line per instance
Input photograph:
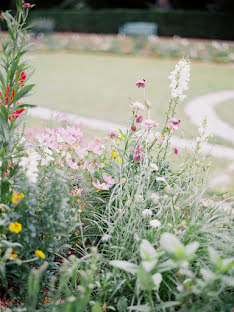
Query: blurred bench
(139, 29)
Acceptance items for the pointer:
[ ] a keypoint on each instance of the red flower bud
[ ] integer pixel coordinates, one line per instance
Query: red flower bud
(133, 128)
(26, 5)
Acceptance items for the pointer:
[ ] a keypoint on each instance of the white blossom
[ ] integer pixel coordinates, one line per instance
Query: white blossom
(179, 79)
(146, 213)
(29, 164)
(155, 223)
(154, 197)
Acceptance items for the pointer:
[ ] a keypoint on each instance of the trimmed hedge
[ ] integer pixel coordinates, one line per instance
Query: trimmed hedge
(192, 24)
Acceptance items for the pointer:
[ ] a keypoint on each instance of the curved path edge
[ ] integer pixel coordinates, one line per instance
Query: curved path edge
(203, 107)
(215, 150)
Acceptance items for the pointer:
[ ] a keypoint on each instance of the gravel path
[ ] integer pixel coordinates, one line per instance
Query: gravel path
(48, 114)
(203, 106)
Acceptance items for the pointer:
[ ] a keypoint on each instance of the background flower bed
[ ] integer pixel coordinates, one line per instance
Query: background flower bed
(206, 50)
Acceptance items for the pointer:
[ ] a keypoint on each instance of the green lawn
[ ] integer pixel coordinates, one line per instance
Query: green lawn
(223, 110)
(102, 86)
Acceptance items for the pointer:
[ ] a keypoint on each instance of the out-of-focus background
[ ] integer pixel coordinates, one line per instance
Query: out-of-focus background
(89, 53)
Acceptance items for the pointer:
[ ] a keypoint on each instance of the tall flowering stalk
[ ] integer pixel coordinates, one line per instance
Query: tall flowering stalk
(14, 74)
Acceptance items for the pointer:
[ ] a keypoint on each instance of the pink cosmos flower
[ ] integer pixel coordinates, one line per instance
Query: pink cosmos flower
(139, 118)
(141, 83)
(113, 134)
(137, 105)
(159, 137)
(71, 164)
(138, 156)
(108, 179)
(173, 124)
(101, 186)
(176, 150)
(149, 124)
(133, 128)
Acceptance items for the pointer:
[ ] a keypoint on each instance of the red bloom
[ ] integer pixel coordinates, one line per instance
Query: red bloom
(133, 128)
(16, 114)
(23, 76)
(176, 150)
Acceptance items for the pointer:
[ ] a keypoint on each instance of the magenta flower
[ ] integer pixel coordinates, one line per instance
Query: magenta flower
(113, 134)
(101, 186)
(173, 124)
(138, 156)
(141, 83)
(26, 4)
(176, 150)
(108, 179)
(139, 118)
(137, 105)
(149, 124)
(133, 128)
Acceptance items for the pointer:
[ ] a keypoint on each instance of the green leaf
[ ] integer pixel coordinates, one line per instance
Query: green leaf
(126, 266)
(166, 305)
(140, 308)
(147, 251)
(97, 307)
(145, 280)
(23, 92)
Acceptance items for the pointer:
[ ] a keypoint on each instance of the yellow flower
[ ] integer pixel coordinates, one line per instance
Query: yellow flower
(13, 255)
(15, 227)
(16, 197)
(40, 254)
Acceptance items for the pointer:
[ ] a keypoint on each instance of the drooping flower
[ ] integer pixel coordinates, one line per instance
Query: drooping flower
(137, 105)
(141, 83)
(176, 150)
(155, 223)
(179, 79)
(108, 179)
(113, 134)
(26, 4)
(173, 124)
(101, 186)
(138, 156)
(40, 253)
(149, 124)
(147, 213)
(139, 118)
(15, 227)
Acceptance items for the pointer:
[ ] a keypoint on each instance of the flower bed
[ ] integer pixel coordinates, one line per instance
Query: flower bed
(206, 50)
(106, 224)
